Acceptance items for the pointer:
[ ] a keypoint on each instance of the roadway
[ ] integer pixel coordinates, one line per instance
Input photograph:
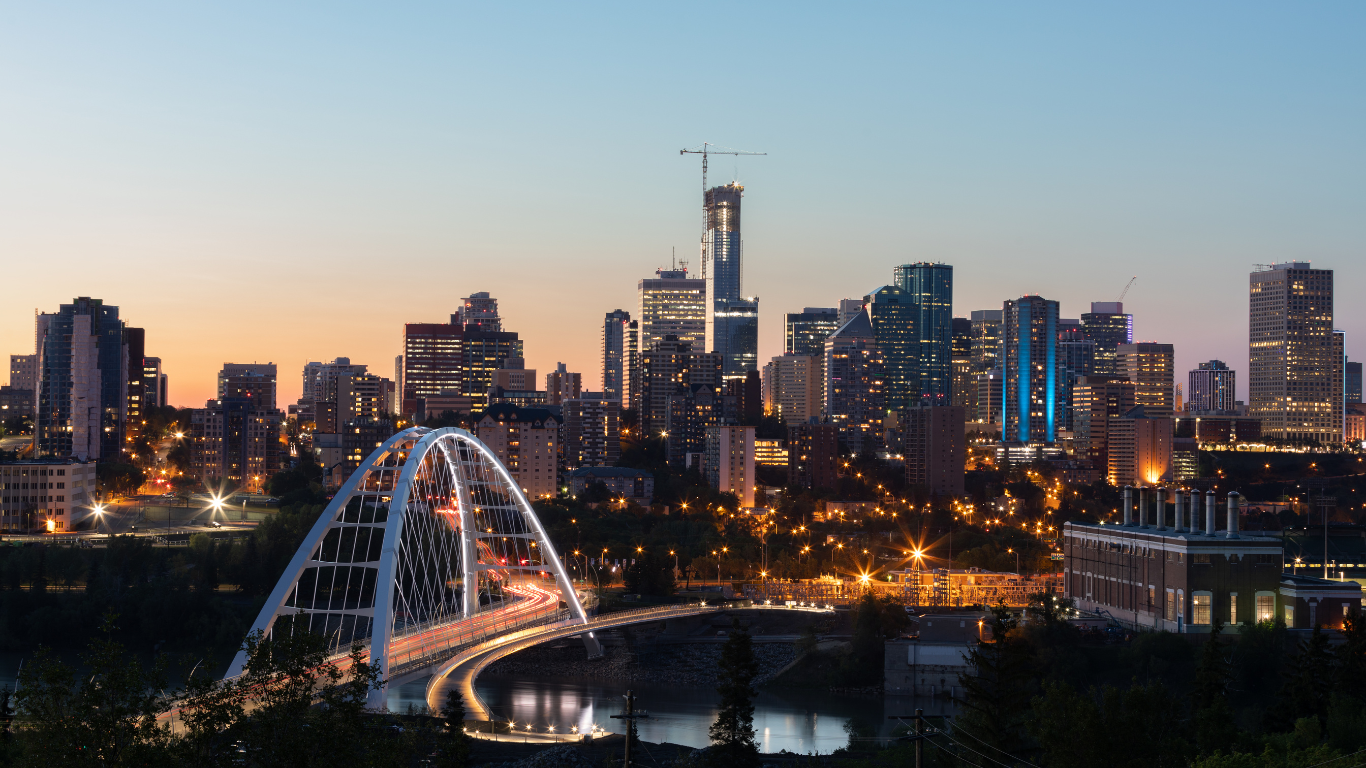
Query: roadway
(462, 669)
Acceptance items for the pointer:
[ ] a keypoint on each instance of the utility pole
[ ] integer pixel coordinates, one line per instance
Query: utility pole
(630, 717)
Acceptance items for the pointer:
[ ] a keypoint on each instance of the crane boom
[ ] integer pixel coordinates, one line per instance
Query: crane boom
(1127, 286)
(706, 149)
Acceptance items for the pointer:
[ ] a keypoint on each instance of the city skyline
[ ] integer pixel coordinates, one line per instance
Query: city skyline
(1183, 155)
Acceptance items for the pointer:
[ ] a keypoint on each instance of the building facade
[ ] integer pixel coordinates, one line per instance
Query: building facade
(935, 449)
(1096, 402)
(527, 441)
(592, 430)
(1032, 388)
(618, 352)
(986, 339)
(793, 387)
(855, 381)
(893, 318)
(1294, 367)
(673, 304)
(669, 365)
(235, 440)
(929, 286)
(1152, 369)
(1139, 449)
(432, 363)
(81, 382)
(1211, 387)
(45, 496)
(23, 372)
(730, 462)
(805, 332)
(812, 455)
(1108, 326)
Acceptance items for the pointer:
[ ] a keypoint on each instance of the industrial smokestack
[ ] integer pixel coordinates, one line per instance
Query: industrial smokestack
(1232, 515)
(1179, 508)
(1143, 492)
(1161, 509)
(1210, 504)
(1128, 505)
(1195, 511)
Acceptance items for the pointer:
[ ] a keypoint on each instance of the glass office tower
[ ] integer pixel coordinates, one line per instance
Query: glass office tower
(1032, 392)
(805, 332)
(1108, 326)
(929, 287)
(894, 317)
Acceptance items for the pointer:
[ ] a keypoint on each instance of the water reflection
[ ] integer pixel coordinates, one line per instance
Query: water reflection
(798, 721)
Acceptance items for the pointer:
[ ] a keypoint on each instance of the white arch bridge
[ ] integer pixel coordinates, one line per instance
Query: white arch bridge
(432, 557)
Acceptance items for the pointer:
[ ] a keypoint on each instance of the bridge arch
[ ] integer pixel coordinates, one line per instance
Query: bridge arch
(429, 547)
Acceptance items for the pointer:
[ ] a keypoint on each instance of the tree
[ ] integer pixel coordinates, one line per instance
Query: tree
(732, 734)
(107, 716)
(1215, 729)
(455, 746)
(1305, 693)
(650, 575)
(996, 690)
(119, 478)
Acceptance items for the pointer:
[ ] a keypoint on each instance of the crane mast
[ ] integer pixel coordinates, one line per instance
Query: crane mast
(705, 151)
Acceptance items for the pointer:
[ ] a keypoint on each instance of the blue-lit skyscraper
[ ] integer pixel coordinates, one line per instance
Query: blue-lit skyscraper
(930, 288)
(732, 318)
(1032, 393)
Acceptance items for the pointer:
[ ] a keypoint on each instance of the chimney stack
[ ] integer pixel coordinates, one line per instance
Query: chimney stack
(1232, 515)
(1179, 507)
(1128, 505)
(1161, 515)
(1195, 511)
(1210, 504)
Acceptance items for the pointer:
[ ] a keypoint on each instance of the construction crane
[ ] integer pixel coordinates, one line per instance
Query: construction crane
(1127, 286)
(705, 150)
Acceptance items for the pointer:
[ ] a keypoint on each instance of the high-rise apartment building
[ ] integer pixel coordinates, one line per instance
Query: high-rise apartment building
(82, 382)
(672, 304)
(805, 332)
(794, 387)
(562, 384)
(934, 446)
(23, 372)
(893, 317)
(432, 363)
(134, 348)
(986, 339)
(855, 381)
(616, 355)
(255, 381)
(1353, 382)
(1077, 358)
(990, 396)
(668, 366)
(592, 430)
(479, 310)
(483, 353)
(964, 377)
(730, 462)
(1151, 367)
(1108, 326)
(1096, 401)
(812, 455)
(1211, 387)
(1140, 449)
(1031, 394)
(152, 382)
(692, 411)
(929, 286)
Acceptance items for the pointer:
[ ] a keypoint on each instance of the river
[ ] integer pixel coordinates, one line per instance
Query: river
(797, 720)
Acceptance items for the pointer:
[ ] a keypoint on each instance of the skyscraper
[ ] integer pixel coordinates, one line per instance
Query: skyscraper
(615, 354)
(1077, 358)
(1353, 394)
(986, 339)
(432, 364)
(666, 368)
(672, 304)
(805, 332)
(82, 382)
(929, 287)
(1108, 326)
(964, 377)
(1096, 401)
(1291, 361)
(1032, 389)
(934, 446)
(793, 387)
(478, 309)
(855, 398)
(1211, 387)
(733, 330)
(483, 353)
(134, 348)
(1152, 369)
(893, 318)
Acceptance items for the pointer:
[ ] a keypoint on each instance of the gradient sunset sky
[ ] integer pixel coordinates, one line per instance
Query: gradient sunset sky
(293, 182)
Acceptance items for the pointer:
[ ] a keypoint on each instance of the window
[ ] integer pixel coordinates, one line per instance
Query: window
(1233, 608)
(1200, 607)
(1266, 606)
(1200, 559)
(1290, 615)
(1152, 596)
(1171, 605)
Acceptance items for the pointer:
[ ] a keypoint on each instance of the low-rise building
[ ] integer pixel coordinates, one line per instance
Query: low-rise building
(38, 496)
(930, 664)
(632, 484)
(15, 402)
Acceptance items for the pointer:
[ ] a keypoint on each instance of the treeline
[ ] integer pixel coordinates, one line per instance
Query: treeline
(290, 707)
(203, 595)
(1040, 697)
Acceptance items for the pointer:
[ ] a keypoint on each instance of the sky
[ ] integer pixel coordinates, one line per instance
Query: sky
(293, 182)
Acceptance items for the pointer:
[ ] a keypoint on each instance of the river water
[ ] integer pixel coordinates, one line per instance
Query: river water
(797, 720)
